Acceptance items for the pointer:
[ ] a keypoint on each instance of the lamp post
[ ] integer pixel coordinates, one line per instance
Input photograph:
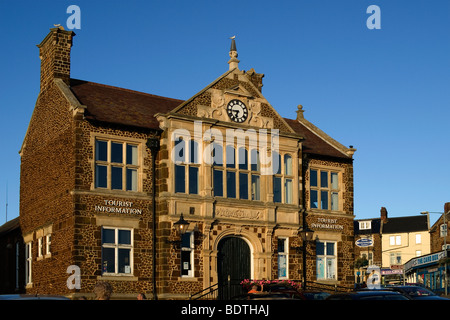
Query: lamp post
(444, 214)
(306, 235)
(153, 145)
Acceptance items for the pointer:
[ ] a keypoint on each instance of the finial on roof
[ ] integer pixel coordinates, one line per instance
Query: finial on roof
(233, 62)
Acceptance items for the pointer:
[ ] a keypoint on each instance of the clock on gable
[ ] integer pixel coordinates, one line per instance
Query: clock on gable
(237, 111)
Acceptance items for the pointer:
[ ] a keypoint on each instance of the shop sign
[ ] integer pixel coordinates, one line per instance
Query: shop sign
(117, 206)
(364, 242)
(385, 272)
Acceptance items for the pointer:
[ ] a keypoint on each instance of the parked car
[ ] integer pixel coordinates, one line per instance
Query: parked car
(268, 296)
(418, 292)
(369, 295)
(315, 295)
(31, 297)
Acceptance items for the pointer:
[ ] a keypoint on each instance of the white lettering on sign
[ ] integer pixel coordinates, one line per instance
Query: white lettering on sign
(117, 206)
(326, 223)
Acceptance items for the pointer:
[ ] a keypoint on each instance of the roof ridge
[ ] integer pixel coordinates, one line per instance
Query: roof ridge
(125, 89)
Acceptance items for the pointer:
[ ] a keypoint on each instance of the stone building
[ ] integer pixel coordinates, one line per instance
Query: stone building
(107, 172)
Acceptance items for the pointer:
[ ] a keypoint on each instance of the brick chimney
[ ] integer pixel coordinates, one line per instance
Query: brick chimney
(384, 215)
(54, 52)
(447, 207)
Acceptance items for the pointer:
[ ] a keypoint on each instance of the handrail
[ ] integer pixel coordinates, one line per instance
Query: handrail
(211, 291)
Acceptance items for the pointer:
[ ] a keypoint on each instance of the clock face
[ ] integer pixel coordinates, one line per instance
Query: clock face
(237, 111)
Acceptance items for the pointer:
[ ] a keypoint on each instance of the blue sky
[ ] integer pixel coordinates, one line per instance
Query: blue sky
(384, 91)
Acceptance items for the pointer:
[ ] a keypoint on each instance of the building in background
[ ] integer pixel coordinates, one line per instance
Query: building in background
(389, 242)
(12, 258)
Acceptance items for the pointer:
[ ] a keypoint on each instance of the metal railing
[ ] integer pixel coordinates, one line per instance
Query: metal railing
(232, 288)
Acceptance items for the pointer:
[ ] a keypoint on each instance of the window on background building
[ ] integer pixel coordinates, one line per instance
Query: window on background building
(116, 165)
(117, 251)
(326, 260)
(443, 230)
(365, 225)
(187, 166)
(395, 240)
(187, 254)
(28, 262)
(282, 258)
(418, 238)
(395, 258)
(324, 190)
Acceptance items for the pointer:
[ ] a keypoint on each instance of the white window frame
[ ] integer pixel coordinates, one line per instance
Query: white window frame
(284, 254)
(116, 246)
(40, 252)
(328, 260)
(418, 238)
(365, 225)
(48, 243)
(189, 249)
(395, 240)
(28, 262)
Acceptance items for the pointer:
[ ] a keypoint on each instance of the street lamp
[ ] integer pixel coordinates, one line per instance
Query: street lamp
(181, 226)
(306, 235)
(444, 214)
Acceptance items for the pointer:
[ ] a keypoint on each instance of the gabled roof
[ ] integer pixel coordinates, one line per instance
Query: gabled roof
(121, 106)
(316, 144)
(406, 224)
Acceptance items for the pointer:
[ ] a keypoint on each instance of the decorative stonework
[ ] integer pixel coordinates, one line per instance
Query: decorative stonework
(239, 214)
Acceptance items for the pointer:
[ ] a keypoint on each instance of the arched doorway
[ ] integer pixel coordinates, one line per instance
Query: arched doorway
(233, 263)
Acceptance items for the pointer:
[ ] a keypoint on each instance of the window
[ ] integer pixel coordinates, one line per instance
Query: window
(326, 260)
(255, 172)
(187, 254)
(40, 247)
(324, 190)
(117, 251)
(187, 165)
(282, 258)
(365, 225)
(283, 179)
(395, 258)
(28, 262)
(48, 244)
(418, 238)
(242, 178)
(116, 165)
(443, 230)
(395, 240)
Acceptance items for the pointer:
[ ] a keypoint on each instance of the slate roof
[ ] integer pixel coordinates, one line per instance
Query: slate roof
(406, 224)
(116, 105)
(9, 226)
(121, 106)
(375, 224)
